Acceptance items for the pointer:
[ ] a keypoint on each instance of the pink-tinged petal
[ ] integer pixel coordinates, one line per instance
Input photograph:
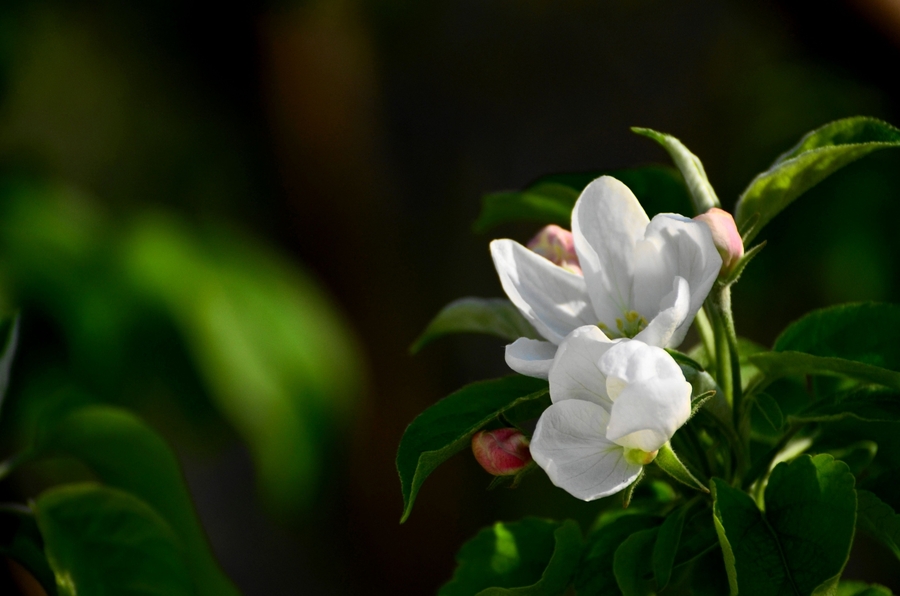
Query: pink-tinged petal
(647, 413)
(531, 357)
(557, 246)
(501, 452)
(667, 329)
(607, 221)
(575, 373)
(569, 443)
(674, 246)
(725, 236)
(554, 300)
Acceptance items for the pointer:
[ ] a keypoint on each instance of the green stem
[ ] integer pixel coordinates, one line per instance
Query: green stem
(705, 330)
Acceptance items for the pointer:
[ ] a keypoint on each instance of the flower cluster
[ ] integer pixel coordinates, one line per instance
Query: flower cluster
(607, 298)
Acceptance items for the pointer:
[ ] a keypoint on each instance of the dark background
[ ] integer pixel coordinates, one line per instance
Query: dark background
(357, 136)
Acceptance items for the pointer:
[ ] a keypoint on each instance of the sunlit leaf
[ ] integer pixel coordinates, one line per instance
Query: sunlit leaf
(800, 544)
(491, 316)
(853, 588)
(127, 454)
(818, 154)
(101, 540)
(531, 557)
(447, 427)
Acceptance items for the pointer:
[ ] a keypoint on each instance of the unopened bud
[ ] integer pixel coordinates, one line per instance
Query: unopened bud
(556, 245)
(502, 452)
(725, 236)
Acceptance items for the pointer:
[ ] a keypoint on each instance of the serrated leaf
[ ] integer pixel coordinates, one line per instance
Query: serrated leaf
(877, 519)
(867, 405)
(666, 546)
(127, 454)
(800, 544)
(531, 557)
(631, 563)
(447, 427)
(101, 540)
(21, 541)
(703, 196)
(551, 198)
(491, 316)
(595, 573)
(818, 154)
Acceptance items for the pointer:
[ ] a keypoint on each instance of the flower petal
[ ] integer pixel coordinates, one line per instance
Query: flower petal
(647, 413)
(667, 329)
(607, 221)
(569, 444)
(631, 361)
(574, 374)
(530, 357)
(554, 300)
(674, 246)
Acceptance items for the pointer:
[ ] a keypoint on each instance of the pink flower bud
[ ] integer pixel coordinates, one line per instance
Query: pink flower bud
(725, 236)
(502, 452)
(556, 245)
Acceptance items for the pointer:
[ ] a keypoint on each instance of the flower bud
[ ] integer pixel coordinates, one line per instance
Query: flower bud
(725, 236)
(556, 245)
(502, 452)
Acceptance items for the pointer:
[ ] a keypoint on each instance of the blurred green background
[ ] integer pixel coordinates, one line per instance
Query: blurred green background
(235, 221)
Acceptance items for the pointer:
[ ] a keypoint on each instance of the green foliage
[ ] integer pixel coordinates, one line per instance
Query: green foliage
(671, 465)
(492, 316)
(800, 544)
(9, 340)
(877, 519)
(127, 455)
(530, 557)
(101, 540)
(818, 154)
(550, 199)
(852, 588)
(447, 427)
(21, 541)
(702, 194)
(666, 547)
(595, 574)
(632, 563)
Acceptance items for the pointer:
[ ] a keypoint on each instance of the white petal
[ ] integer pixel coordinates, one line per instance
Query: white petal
(647, 413)
(574, 374)
(607, 221)
(631, 361)
(569, 444)
(554, 300)
(674, 246)
(667, 329)
(530, 357)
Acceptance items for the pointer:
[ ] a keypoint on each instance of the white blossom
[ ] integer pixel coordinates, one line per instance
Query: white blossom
(615, 403)
(643, 279)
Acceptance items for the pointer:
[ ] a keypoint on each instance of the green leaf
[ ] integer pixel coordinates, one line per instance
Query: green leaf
(550, 199)
(126, 454)
(9, 340)
(671, 465)
(800, 545)
(770, 410)
(531, 557)
(868, 405)
(858, 456)
(492, 316)
(818, 154)
(702, 194)
(780, 364)
(100, 540)
(877, 519)
(853, 588)
(631, 563)
(21, 541)
(595, 574)
(666, 546)
(447, 427)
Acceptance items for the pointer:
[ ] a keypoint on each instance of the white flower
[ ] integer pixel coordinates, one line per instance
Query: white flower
(615, 403)
(642, 278)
